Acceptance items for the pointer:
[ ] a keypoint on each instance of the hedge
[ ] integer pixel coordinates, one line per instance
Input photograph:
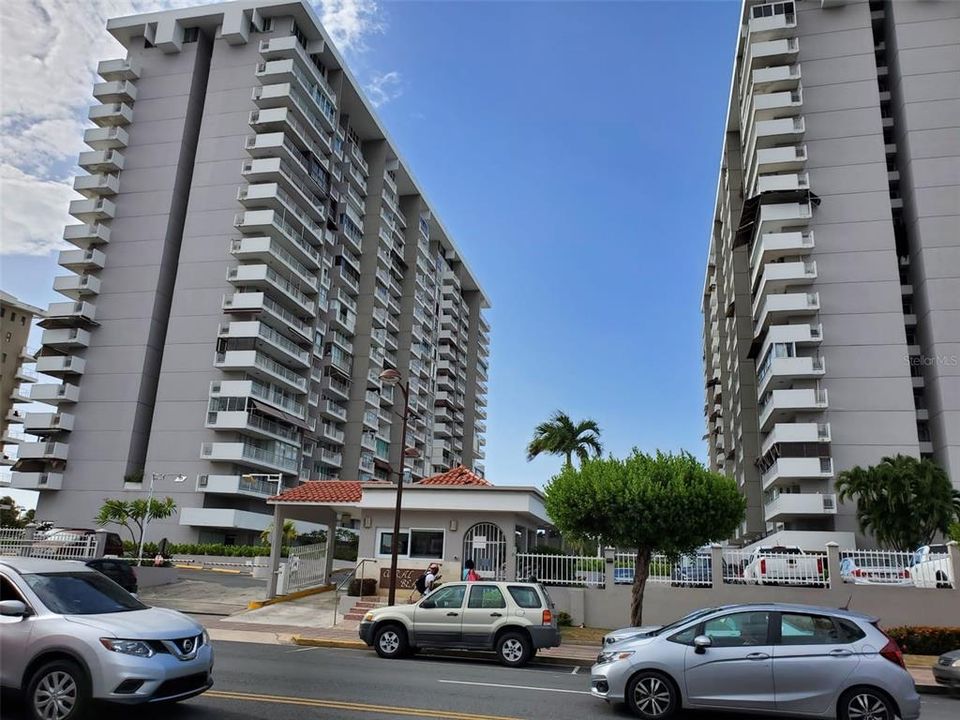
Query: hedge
(341, 551)
(925, 640)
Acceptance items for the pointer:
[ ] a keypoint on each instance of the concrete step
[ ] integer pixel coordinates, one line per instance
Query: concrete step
(365, 604)
(354, 616)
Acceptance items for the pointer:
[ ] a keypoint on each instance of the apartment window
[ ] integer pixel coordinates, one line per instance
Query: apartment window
(416, 543)
(3, 312)
(191, 35)
(13, 316)
(301, 38)
(267, 25)
(23, 319)
(773, 9)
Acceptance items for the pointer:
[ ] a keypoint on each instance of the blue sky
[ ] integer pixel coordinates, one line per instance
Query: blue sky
(571, 150)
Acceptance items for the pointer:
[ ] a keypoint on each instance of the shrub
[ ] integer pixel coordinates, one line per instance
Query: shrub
(369, 587)
(564, 619)
(925, 640)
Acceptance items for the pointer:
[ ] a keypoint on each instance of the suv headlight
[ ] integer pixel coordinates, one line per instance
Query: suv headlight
(128, 647)
(608, 657)
(368, 617)
(205, 637)
(955, 663)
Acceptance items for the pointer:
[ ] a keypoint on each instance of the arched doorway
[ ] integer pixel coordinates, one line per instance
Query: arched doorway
(486, 544)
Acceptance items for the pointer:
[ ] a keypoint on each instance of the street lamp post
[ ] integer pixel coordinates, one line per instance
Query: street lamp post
(392, 377)
(177, 478)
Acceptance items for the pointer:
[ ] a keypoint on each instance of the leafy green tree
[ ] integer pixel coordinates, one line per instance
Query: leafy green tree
(10, 513)
(133, 514)
(902, 501)
(289, 533)
(955, 532)
(561, 436)
(664, 502)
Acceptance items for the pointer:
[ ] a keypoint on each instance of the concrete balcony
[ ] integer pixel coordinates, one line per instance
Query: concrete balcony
(101, 161)
(800, 432)
(77, 286)
(331, 458)
(47, 423)
(791, 505)
(247, 454)
(96, 186)
(790, 470)
(262, 367)
(241, 485)
(783, 405)
(61, 366)
(770, 27)
(225, 518)
(781, 372)
(768, 53)
(773, 133)
(774, 160)
(36, 480)
(332, 434)
(772, 246)
(274, 314)
(68, 314)
(250, 424)
(330, 409)
(269, 251)
(300, 240)
(43, 451)
(304, 212)
(783, 181)
(776, 78)
(775, 105)
(54, 393)
(106, 138)
(268, 340)
(79, 261)
(263, 277)
(779, 276)
(774, 308)
(809, 334)
(115, 91)
(83, 236)
(93, 210)
(119, 69)
(65, 339)
(111, 115)
(261, 391)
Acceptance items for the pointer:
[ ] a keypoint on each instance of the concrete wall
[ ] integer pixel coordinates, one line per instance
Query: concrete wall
(15, 324)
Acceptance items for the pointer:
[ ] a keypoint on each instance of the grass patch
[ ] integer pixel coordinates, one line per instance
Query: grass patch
(582, 635)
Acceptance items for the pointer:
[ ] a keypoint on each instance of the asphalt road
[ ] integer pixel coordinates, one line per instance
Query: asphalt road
(286, 683)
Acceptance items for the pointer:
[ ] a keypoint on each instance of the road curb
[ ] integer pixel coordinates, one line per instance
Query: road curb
(257, 604)
(359, 645)
(933, 689)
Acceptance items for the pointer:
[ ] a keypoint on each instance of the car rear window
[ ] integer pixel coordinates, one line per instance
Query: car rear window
(81, 593)
(525, 597)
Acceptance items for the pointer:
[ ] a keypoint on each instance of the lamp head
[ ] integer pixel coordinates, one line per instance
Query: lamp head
(390, 376)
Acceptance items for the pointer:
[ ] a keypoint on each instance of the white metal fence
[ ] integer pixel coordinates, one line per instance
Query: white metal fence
(769, 567)
(305, 567)
(64, 545)
(569, 570)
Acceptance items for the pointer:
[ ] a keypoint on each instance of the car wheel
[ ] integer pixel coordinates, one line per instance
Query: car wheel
(651, 695)
(513, 649)
(864, 703)
(390, 641)
(58, 691)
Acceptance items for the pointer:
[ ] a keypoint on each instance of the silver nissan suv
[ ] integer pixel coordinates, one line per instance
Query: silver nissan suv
(70, 635)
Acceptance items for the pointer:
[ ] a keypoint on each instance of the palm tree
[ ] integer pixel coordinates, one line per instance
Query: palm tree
(288, 535)
(560, 436)
(902, 501)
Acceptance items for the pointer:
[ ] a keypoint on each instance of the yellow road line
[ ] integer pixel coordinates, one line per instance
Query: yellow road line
(357, 707)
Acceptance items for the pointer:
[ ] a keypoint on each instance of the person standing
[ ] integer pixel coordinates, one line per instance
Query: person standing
(469, 571)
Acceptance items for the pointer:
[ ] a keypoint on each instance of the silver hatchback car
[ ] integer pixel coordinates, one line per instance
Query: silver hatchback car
(70, 635)
(761, 658)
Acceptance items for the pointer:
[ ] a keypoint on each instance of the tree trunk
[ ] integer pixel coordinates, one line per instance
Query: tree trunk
(640, 571)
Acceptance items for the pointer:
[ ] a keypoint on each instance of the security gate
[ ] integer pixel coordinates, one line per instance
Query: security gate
(486, 545)
(306, 567)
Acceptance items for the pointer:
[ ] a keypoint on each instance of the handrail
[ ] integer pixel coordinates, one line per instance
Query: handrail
(348, 578)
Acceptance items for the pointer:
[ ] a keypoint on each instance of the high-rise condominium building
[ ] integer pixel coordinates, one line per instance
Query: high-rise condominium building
(252, 254)
(831, 302)
(16, 320)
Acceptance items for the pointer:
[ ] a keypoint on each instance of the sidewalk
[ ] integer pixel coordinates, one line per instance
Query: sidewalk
(344, 635)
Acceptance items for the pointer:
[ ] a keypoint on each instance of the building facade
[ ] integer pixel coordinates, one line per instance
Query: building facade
(16, 368)
(252, 254)
(831, 302)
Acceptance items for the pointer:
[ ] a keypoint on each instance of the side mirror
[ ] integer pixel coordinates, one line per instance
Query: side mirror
(13, 608)
(701, 643)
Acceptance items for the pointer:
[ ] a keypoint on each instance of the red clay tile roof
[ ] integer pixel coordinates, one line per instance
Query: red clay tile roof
(323, 491)
(456, 476)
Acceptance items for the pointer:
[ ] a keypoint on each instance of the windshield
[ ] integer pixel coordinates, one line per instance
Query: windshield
(682, 621)
(81, 593)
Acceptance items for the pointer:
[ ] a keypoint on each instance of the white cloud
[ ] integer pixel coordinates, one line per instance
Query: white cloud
(51, 49)
(384, 87)
(33, 212)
